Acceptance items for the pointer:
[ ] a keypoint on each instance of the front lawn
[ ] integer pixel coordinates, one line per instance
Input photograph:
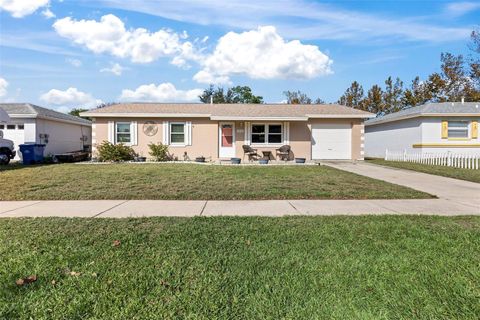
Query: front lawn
(191, 182)
(457, 173)
(370, 267)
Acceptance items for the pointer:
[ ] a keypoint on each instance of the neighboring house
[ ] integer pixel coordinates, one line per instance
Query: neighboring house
(60, 132)
(218, 131)
(429, 128)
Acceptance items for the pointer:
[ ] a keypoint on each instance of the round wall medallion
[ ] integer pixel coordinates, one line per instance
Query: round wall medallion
(150, 128)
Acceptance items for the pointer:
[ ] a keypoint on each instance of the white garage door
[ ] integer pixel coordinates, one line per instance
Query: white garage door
(331, 141)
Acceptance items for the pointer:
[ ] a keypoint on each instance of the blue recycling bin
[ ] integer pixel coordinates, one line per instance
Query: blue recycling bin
(32, 153)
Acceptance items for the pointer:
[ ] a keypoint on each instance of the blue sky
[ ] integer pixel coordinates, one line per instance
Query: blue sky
(64, 54)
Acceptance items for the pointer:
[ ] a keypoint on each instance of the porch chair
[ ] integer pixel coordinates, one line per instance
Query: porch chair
(252, 153)
(283, 153)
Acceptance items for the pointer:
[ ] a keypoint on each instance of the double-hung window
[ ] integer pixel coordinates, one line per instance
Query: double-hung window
(267, 133)
(177, 133)
(123, 133)
(457, 129)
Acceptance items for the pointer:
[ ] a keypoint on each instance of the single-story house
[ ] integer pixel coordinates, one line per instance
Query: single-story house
(219, 131)
(60, 132)
(429, 128)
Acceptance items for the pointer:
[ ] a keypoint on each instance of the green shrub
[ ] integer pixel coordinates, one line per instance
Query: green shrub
(115, 152)
(159, 151)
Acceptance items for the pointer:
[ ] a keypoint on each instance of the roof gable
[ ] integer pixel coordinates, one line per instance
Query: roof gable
(28, 109)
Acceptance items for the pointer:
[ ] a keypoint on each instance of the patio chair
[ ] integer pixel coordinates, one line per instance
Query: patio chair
(252, 153)
(283, 153)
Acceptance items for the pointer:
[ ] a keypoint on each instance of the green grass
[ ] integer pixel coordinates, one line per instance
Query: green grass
(457, 173)
(191, 182)
(370, 267)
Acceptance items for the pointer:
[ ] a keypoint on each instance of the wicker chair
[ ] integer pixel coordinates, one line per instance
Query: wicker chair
(252, 153)
(283, 153)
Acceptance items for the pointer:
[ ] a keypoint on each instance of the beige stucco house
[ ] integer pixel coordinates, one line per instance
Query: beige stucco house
(218, 131)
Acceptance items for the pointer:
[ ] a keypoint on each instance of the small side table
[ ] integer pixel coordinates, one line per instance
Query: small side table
(267, 155)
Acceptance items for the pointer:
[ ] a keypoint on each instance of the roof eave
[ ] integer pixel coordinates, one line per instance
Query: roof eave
(241, 118)
(142, 115)
(343, 116)
(417, 115)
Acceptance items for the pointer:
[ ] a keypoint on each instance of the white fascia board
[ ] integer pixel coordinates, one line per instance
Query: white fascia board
(142, 115)
(336, 116)
(228, 118)
(36, 116)
(418, 115)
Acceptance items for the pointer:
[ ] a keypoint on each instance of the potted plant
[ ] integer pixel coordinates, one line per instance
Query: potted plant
(139, 158)
(263, 160)
(235, 160)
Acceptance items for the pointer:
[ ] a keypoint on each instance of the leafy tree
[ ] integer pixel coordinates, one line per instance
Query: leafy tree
(392, 97)
(238, 94)
(415, 95)
(297, 97)
(454, 76)
(474, 64)
(76, 112)
(374, 101)
(353, 96)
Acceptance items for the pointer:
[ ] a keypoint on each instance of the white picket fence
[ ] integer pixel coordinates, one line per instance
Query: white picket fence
(450, 159)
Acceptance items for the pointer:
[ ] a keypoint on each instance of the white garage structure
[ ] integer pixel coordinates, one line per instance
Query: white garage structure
(332, 141)
(60, 132)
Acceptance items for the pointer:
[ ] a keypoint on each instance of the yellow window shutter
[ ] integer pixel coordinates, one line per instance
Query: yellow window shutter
(444, 129)
(474, 129)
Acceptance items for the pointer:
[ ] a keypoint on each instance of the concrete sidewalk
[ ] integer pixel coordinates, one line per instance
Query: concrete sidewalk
(149, 208)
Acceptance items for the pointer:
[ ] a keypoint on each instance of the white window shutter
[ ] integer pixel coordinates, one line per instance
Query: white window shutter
(247, 133)
(286, 133)
(188, 135)
(111, 131)
(166, 133)
(134, 133)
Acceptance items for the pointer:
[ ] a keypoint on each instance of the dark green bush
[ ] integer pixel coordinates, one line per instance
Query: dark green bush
(159, 151)
(115, 152)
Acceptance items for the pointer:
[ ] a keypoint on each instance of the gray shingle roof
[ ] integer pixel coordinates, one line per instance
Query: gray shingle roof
(230, 110)
(444, 108)
(26, 109)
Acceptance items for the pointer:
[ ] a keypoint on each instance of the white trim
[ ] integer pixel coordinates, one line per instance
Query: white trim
(188, 136)
(234, 139)
(133, 133)
(247, 134)
(423, 115)
(335, 116)
(142, 115)
(240, 118)
(111, 132)
(267, 125)
(36, 116)
(115, 132)
(165, 133)
(177, 144)
(94, 134)
(286, 132)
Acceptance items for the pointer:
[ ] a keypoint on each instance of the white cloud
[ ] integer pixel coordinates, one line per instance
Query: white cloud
(74, 62)
(109, 35)
(302, 19)
(164, 92)
(47, 13)
(262, 54)
(116, 69)
(457, 9)
(71, 97)
(3, 87)
(22, 8)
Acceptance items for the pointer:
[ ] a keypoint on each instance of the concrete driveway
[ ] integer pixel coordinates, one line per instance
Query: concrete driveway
(454, 190)
(455, 197)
